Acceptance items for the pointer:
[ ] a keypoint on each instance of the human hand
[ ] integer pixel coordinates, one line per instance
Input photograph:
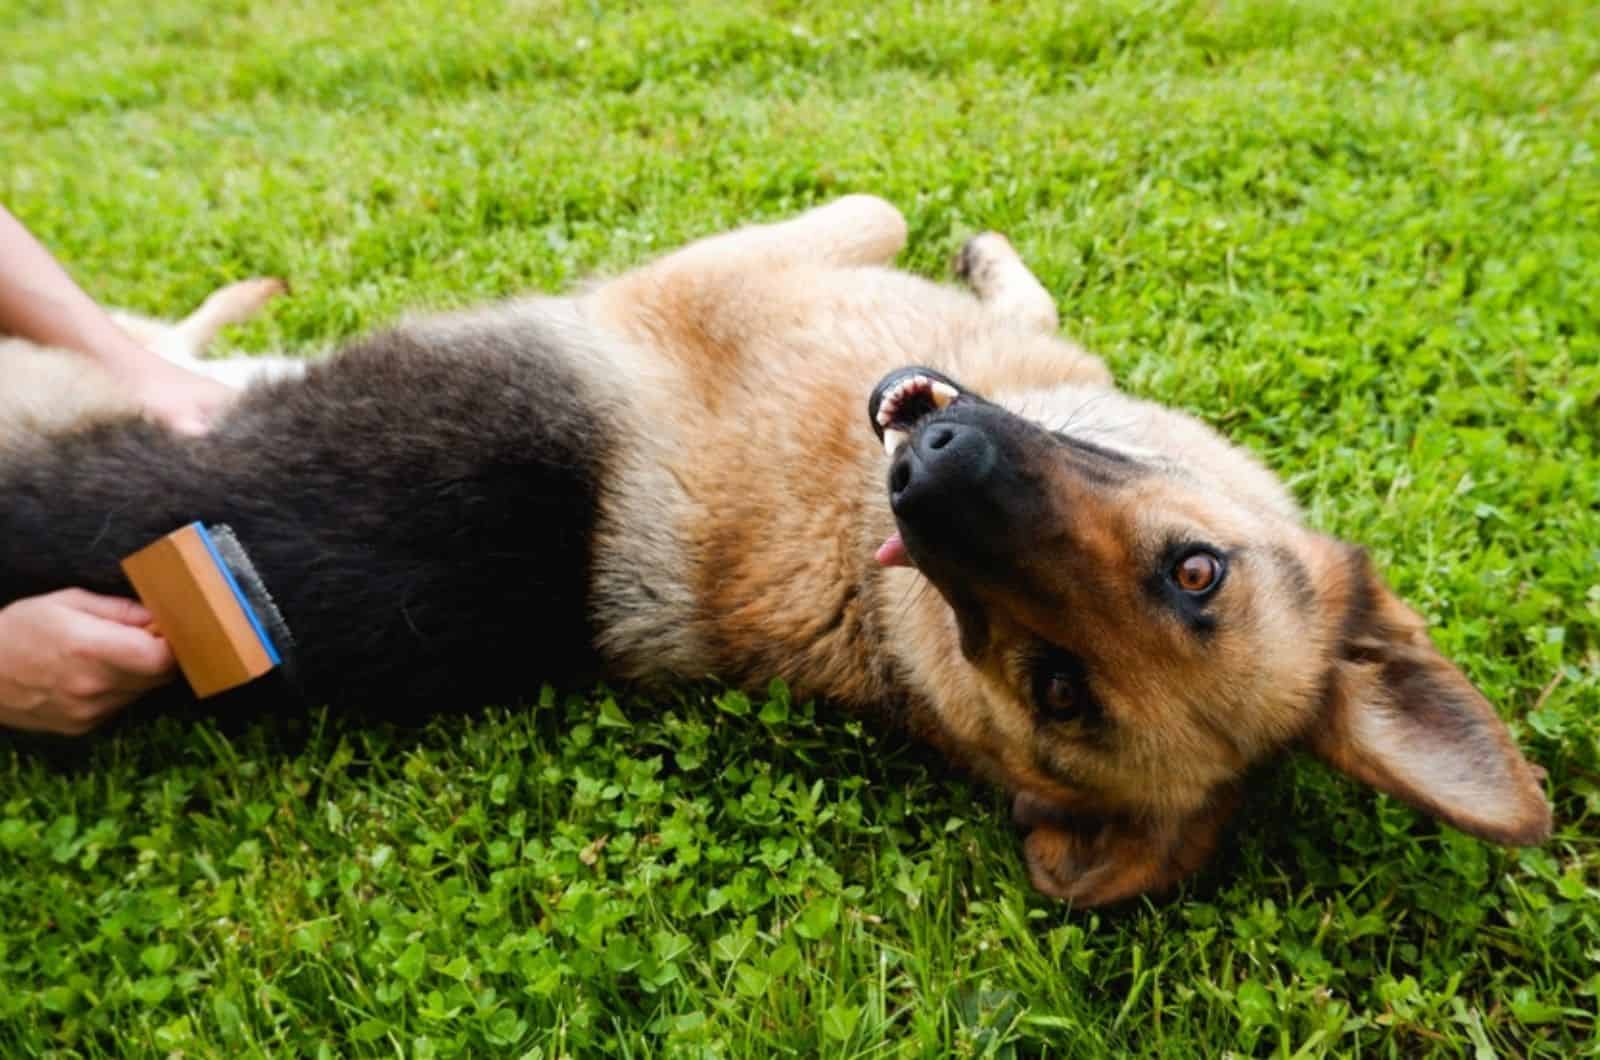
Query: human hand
(71, 659)
(184, 400)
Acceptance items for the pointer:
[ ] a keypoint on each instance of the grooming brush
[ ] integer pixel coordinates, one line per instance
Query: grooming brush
(212, 607)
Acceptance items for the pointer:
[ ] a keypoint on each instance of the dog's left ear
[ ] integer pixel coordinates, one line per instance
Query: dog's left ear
(1402, 718)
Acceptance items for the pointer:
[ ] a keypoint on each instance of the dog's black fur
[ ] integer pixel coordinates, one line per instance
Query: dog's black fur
(422, 513)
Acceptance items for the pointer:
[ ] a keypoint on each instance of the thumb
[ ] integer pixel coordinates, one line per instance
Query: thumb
(118, 609)
(183, 419)
(191, 425)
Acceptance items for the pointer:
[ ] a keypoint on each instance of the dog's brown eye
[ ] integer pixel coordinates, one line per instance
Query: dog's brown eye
(1061, 688)
(1056, 696)
(1198, 572)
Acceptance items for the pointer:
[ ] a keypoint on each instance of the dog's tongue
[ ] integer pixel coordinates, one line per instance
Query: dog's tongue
(892, 553)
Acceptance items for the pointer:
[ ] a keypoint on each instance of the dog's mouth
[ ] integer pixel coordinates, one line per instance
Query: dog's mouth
(903, 399)
(901, 402)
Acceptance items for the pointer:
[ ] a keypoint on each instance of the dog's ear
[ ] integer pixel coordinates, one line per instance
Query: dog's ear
(1402, 718)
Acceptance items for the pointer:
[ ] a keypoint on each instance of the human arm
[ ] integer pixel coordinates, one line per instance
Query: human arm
(40, 302)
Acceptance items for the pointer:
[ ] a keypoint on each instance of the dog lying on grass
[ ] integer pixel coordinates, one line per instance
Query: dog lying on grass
(768, 453)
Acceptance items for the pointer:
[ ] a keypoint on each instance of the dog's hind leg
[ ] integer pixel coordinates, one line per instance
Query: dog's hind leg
(990, 265)
(186, 340)
(233, 304)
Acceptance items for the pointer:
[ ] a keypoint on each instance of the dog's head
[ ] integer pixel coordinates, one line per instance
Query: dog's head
(1142, 616)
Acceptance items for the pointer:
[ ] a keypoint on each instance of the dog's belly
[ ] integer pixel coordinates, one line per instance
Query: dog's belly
(741, 542)
(45, 389)
(739, 538)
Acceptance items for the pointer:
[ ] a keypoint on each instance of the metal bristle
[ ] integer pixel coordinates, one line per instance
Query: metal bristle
(255, 590)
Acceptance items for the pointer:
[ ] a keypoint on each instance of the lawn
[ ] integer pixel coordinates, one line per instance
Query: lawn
(1362, 238)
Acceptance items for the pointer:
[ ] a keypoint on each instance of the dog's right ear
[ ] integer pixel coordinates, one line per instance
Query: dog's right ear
(1399, 716)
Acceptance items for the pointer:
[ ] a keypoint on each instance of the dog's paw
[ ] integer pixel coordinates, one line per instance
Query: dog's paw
(1092, 869)
(248, 296)
(861, 229)
(991, 266)
(981, 260)
(1100, 861)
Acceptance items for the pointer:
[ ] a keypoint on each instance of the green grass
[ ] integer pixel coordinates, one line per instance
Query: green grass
(1363, 238)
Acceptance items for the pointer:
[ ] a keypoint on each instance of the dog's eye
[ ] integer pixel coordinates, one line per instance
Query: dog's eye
(1056, 695)
(1197, 572)
(1061, 689)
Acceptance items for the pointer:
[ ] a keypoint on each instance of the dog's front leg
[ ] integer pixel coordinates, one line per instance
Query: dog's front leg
(1102, 862)
(991, 266)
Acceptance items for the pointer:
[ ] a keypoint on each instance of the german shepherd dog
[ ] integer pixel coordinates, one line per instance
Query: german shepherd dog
(768, 453)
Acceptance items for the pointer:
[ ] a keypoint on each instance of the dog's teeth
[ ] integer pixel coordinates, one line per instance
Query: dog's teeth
(893, 439)
(939, 394)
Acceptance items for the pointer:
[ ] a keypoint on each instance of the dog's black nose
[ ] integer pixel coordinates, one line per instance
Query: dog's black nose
(945, 464)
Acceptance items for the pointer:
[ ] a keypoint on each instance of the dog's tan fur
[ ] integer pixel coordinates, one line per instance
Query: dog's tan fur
(774, 333)
(738, 532)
